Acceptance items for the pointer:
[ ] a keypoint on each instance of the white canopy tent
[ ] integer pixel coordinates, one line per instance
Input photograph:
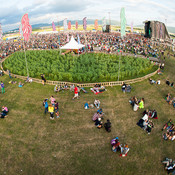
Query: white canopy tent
(72, 45)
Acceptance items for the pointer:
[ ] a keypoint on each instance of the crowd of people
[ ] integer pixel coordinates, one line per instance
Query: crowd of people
(111, 42)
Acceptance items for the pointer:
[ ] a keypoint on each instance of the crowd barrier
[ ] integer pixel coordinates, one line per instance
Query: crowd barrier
(49, 82)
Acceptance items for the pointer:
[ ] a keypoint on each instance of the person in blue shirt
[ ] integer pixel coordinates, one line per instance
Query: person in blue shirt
(45, 104)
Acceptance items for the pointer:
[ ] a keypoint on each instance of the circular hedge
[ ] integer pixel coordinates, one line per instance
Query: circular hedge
(89, 67)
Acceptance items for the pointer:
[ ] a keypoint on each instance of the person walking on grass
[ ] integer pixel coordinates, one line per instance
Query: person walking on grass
(75, 92)
(2, 87)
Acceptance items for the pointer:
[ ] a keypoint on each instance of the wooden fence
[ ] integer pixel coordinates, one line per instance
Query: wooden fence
(113, 83)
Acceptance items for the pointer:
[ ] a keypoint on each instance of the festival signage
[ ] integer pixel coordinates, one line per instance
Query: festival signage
(123, 22)
(84, 23)
(65, 24)
(0, 33)
(96, 24)
(26, 27)
(53, 26)
(69, 25)
(103, 24)
(76, 25)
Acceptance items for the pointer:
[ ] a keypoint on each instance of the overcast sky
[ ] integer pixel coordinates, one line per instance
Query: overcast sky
(46, 11)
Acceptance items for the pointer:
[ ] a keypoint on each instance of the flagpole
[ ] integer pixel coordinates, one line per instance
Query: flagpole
(26, 59)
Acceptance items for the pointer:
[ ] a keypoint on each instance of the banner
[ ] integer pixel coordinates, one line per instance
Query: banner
(53, 26)
(96, 24)
(26, 27)
(69, 25)
(132, 27)
(0, 33)
(84, 23)
(65, 24)
(123, 22)
(76, 25)
(103, 24)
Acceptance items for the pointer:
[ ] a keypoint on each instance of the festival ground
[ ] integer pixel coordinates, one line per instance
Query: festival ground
(33, 144)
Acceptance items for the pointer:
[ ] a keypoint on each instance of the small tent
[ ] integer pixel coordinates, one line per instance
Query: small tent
(72, 45)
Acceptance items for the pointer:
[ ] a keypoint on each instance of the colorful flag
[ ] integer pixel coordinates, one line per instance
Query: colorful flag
(78, 38)
(26, 27)
(65, 24)
(67, 37)
(1, 33)
(103, 24)
(53, 26)
(123, 22)
(132, 27)
(96, 24)
(84, 23)
(69, 25)
(76, 25)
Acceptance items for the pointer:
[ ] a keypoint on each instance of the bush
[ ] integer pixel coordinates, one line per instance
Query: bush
(85, 68)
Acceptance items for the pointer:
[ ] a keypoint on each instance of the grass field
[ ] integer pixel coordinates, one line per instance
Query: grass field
(32, 144)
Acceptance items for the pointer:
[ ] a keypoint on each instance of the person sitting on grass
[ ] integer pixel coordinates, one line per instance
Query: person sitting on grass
(57, 114)
(86, 106)
(133, 100)
(51, 111)
(141, 103)
(116, 147)
(124, 150)
(97, 103)
(149, 126)
(96, 116)
(98, 123)
(66, 86)
(4, 111)
(169, 165)
(168, 82)
(135, 107)
(56, 89)
(20, 84)
(107, 126)
(168, 97)
(123, 87)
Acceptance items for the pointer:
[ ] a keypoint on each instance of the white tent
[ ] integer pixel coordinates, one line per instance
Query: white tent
(72, 45)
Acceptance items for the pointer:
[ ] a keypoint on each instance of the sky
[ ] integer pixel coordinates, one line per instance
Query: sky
(46, 11)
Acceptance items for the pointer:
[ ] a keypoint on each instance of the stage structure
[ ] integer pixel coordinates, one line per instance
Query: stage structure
(156, 30)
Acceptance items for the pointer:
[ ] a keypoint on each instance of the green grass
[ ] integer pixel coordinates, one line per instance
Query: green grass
(31, 142)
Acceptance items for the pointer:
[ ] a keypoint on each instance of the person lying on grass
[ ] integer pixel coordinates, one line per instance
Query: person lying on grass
(169, 136)
(20, 84)
(124, 150)
(97, 103)
(169, 165)
(167, 125)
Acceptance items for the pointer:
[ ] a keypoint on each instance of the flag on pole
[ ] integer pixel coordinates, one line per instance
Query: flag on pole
(1, 33)
(53, 26)
(84, 23)
(69, 25)
(67, 37)
(65, 24)
(103, 24)
(96, 24)
(76, 25)
(78, 38)
(26, 27)
(123, 22)
(132, 26)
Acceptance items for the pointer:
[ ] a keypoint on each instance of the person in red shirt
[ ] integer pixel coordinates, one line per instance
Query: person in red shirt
(75, 92)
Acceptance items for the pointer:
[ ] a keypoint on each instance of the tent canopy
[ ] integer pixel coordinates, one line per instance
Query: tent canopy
(72, 45)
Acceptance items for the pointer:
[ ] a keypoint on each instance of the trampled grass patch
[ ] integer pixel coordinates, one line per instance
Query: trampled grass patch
(33, 144)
